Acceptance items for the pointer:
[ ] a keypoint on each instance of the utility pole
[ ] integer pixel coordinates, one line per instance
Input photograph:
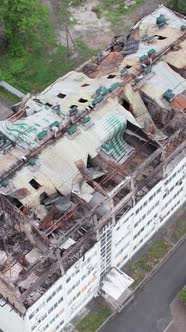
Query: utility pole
(69, 37)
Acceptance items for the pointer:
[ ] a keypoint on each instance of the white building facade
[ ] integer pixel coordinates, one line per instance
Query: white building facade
(118, 242)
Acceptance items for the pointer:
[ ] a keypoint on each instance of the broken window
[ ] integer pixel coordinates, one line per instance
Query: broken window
(111, 76)
(160, 37)
(125, 104)
(61, 95)
(84, 85)
(82, 100)
(43, 197)
(89, 161)
(34, 184)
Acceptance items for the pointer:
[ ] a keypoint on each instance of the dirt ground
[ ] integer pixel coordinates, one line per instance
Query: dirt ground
(95, 32)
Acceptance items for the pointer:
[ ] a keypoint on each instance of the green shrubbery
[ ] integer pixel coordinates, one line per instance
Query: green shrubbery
(36, 70)
(179, 5)
(26, 25)
(30, 58)
(114, 11)
(182, 295)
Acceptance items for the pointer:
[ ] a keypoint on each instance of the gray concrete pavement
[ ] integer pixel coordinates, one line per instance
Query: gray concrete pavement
(149, 311)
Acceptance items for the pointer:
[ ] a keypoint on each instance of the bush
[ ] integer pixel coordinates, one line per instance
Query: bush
(179, 5)
(182, 295)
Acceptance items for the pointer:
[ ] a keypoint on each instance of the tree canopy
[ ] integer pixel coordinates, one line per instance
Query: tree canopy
(26, 25)
(179, 5)
(182, 295)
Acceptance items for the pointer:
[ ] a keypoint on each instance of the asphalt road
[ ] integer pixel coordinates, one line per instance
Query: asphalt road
(149, 311)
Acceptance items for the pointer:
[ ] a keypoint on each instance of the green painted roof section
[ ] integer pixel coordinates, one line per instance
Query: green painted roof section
(7, 144)
(104, 91)
(32, 161)
(124, 70)
(169, 95)
(86, 119)
(42, 134)
(72, 129)
(150, 38)
(161, 19)
(26, 131)
(143, 57)
(97, 100)
(114, 86)
(54, 124)
(115, 145)
(144, 36)
(5, 182)
(183, 27)
(148, 69)
(161, 24)
(98, 91)
(151, 51)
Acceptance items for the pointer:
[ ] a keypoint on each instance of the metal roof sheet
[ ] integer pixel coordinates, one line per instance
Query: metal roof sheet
(147, 25)
(164, 78)
(55, 166)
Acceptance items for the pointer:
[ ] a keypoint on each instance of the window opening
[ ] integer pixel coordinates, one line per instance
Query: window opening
(111, 76)
(61, 95)
(160, 37)
(34, 184)
(82, 100)
(84, 85)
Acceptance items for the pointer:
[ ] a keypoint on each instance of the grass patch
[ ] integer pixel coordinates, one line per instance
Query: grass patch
(35, 71)
(9, 96)
(115, 12)
(153, 256)
(182, 295)
(179, 5)
(180, 230)
(138, 276)
(76, 3)
(94, 319)
(148, 261)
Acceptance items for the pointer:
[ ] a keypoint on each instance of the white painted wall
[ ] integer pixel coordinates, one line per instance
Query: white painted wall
(140, 223)
(67, 296)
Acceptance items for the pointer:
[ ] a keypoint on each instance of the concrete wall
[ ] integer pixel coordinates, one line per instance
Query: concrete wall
(11, 89)
(157, 112)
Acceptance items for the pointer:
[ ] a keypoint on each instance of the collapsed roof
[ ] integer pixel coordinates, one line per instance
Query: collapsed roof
(78, 152)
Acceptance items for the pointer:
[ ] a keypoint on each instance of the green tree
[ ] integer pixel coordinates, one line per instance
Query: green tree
(26, 25)
(179, 5)
(182, 295)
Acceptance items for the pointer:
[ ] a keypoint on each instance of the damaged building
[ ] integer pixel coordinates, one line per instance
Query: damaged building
(90, 169)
